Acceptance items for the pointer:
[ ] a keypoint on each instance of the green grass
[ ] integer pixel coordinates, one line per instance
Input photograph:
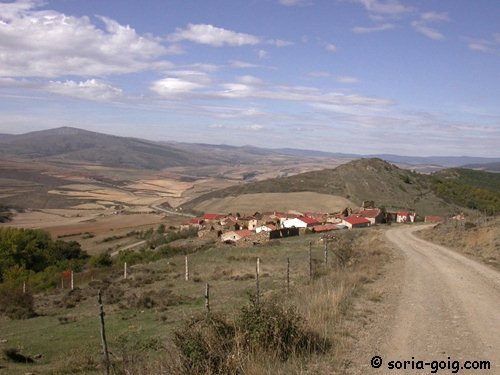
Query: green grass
(65, 348)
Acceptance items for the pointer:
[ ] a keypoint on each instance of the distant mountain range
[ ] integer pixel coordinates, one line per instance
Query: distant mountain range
(77, 145)
(443, 161)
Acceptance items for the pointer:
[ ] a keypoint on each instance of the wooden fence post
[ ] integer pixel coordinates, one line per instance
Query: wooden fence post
(207, 297)
(24, 287)
(125, 271)
(310, 261)
(257, 285)
(72, 281)
(103, 333)
(186, 266)
(326, 251)
(288, 275)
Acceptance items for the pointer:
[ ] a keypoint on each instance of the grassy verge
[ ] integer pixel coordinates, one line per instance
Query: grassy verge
(144, 312)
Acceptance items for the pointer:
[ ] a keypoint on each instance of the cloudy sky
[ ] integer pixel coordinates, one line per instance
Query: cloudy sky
(419, 77)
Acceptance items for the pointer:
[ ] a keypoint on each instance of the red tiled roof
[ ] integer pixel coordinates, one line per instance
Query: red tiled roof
(434, 219)
(270, 226)
(308, 220)
(403, 213)
(324, 228)
(196, 221)
(211, 216)
(356, 220)
(244, 233)
(370, 213)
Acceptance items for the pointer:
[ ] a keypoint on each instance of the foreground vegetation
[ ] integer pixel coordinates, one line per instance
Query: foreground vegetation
(148, 314)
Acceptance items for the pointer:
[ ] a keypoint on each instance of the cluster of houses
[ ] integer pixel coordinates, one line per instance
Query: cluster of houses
(261, 227)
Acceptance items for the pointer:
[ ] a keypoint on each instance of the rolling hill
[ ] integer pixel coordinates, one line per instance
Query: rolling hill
(359, 180)
(77, 145)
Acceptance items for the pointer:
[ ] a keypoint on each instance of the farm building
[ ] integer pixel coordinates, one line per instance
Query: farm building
(302, 222)
(212, 218)
(374, 215)
(324, 228)
(247, 222)
(405, 217)
(236, 235)
(434, 219)
(265, 228)
(356, 222)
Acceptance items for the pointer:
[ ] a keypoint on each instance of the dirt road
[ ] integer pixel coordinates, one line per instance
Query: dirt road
(447, 306)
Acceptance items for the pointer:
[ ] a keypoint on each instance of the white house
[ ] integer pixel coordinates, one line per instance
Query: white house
(236, 235)
(405, 217)
(265, 228)
(300, 222)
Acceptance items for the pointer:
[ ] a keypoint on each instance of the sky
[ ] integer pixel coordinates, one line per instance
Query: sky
(409, 77)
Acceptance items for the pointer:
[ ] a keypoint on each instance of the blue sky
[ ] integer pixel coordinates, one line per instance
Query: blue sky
(418, 77)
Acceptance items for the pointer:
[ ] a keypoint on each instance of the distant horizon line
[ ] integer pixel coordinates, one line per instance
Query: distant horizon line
(344, 154)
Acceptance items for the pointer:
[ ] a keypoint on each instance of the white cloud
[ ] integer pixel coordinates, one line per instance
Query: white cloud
(480, 46)
(422, 25)
(45, 43)
(384, 7)
(484, 45)
(213, 36)
(373, 29)
(249, 127)
(173, 87)
(427, 31)
(434, 16)
(253, 127)
(347, 79)
(242, 64)
(263, 54)
(330, 47)
(91, 89)
(279, 43)
(252, 88)
(291, 3)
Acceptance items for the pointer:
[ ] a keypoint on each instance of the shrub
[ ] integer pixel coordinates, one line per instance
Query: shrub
(15, 304)
(101, 260)
(14, 355)
(205, 344)
(469, 225)
(279, 331)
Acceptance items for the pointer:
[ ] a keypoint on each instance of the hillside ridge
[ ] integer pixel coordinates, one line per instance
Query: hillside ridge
(359, 180)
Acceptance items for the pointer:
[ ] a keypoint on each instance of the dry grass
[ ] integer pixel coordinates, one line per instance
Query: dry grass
(477, 237)
(249, 203)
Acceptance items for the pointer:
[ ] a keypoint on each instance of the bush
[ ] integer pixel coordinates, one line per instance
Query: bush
(205, 344)
(14, 355)
(469, 225)
(15, 304)
(279, 331)
(101, 260)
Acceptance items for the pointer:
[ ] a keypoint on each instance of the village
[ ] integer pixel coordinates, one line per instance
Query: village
(258, 228)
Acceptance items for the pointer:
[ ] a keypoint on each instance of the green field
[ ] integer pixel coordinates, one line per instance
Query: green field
(144, 310)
